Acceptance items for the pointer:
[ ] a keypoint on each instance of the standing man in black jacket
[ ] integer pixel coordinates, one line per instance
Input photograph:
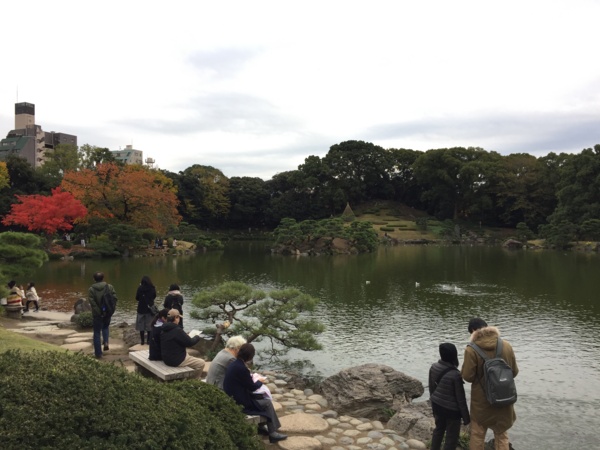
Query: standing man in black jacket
(100, 321)
(173, 344)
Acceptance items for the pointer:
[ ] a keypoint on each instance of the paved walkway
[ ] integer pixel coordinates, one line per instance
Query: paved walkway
(305, 416)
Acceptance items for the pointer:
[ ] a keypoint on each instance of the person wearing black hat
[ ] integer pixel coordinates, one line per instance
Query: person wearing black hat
(448, 400)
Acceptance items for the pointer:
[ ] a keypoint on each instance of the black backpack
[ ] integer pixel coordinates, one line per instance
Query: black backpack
(108, 302)
(498, 381)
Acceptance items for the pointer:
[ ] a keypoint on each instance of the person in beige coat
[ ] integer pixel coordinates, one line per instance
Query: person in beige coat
(484, 415)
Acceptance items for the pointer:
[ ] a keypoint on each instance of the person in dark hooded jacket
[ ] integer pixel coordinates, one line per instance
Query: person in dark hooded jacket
(145, 295)
(448, 400)
(173, 344)
(100, 323)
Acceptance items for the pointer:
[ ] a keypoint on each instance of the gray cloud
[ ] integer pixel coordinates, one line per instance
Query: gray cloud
(536, 133)
(228, 112)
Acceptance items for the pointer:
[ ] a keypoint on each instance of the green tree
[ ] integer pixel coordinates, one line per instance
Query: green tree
(560, 235)
(63, 158)
(90, 156)
(523, 193)
(590, 229)
(361, 169)
(126, 238)
(363, 236)
(454, 181)
(249, 199)
(578, 190)
(20, 254)
(283, 317)
(203, 194)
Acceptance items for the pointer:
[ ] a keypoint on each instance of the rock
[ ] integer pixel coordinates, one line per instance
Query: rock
(300, 443)
(512, 243)
(303, 423)
(415, 421)
(368, 390)
(82, 305)
(131, 336)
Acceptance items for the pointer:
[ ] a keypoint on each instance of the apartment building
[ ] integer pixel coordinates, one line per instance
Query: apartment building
(129, 155)
(28, 140)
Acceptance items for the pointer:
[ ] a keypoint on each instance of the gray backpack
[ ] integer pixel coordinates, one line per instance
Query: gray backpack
(498, 381)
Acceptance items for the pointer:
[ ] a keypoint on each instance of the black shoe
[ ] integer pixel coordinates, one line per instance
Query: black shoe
(263, 430)
(25, 310)
(275, 437)
(105, 347)
(98, 356)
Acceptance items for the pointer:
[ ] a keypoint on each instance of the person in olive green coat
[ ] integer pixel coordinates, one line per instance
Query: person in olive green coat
(484, 415)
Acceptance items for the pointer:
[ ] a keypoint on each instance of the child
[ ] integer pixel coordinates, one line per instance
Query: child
(31, 297)
(448, 400)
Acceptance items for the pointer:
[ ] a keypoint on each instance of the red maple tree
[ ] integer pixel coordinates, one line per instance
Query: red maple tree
(46, 214)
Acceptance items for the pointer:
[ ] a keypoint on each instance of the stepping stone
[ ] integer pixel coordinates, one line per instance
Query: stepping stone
(56, 333)
(300, 443)
(303, 423)
(74, 340)
(79, 346)
(87, 335)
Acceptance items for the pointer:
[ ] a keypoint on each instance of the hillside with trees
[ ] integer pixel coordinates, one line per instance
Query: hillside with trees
(555, 196)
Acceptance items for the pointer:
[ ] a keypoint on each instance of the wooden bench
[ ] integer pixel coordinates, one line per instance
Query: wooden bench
(159, 369)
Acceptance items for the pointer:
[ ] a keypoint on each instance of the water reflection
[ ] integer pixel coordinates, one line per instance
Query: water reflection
(545, 304)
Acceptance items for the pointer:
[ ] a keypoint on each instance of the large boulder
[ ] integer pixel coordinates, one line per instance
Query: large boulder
(370, 390)
(414, 421)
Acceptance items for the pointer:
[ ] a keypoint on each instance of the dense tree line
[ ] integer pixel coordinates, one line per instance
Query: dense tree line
(557, 195)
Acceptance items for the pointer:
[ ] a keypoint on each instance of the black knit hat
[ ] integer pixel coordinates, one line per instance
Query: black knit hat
(448, 353)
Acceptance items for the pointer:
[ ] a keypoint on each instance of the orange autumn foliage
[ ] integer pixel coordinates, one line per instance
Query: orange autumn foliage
(46, 214)
(131, 194)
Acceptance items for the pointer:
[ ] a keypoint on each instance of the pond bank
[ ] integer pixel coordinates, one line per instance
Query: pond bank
(304, 415)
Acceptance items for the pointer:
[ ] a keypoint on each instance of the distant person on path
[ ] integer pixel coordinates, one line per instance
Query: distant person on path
(31, 296)
(174, 300)
(145, 295)
(154, 353)
(218, 366)
(448, 400)
(484, 415)
(15, 296)
(173, 344)
(238, 384)
(101, 322)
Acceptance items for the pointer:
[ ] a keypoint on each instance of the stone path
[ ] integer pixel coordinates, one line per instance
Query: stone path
(304, 416)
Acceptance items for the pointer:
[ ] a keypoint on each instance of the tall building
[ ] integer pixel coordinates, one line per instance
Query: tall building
(28, 140)
(129, 155)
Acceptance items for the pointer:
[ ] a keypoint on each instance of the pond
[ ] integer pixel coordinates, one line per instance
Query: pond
(396, 305)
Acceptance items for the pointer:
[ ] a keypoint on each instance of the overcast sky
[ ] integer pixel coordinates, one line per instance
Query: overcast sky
(254, 87)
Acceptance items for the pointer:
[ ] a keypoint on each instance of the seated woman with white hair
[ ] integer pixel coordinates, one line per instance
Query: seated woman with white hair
(218, 366)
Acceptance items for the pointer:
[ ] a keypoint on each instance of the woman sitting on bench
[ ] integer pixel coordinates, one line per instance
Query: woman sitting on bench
(239, 385)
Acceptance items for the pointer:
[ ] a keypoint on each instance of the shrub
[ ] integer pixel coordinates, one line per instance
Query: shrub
(84, 319)
(103, 247)
(387, 229)
(65, 244)
(210, 244)
(66, 400)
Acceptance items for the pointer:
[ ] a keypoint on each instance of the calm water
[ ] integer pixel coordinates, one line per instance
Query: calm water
(545, 303)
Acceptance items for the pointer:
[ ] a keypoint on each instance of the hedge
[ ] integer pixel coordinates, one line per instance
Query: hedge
(63, 400)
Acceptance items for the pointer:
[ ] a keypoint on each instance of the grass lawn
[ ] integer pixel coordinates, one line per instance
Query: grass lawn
(10, 340)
